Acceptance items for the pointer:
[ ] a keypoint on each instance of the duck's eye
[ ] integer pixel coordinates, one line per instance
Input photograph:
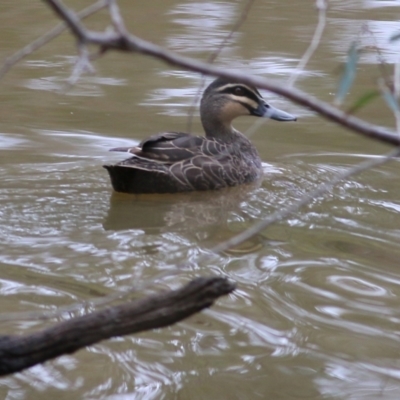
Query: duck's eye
(238, 91)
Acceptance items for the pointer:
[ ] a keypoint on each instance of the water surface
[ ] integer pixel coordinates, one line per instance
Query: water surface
(315, 314)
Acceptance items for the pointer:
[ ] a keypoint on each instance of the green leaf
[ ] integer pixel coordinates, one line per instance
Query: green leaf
(363, 101)
(348, 75)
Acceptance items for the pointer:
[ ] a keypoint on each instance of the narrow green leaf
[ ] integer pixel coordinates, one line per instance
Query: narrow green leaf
(363, 101)
(348, 75)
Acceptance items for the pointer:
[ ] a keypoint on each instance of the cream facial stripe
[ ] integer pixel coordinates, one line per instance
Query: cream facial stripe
(250, 98)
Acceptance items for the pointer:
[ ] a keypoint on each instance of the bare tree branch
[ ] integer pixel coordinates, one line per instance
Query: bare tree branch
(122, 40)
(131, 43)
(157, 311)
(235, 27)
(35, 45)
(71, 19)
(321, 6)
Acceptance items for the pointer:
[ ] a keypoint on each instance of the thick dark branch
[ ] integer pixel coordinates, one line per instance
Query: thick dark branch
(131, 43)
(157, 311)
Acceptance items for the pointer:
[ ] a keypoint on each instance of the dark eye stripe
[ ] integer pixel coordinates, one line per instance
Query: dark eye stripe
(246, 92)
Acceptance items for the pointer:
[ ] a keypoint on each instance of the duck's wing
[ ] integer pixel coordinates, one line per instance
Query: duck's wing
(171, 147)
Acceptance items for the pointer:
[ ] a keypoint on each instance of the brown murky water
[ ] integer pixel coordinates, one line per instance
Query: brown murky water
(316, 314)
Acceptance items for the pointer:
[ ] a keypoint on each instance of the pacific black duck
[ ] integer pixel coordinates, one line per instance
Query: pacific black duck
(171, 162)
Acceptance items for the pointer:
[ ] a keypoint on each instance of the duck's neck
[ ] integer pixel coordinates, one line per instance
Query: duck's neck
(217, 129)
(217, 122)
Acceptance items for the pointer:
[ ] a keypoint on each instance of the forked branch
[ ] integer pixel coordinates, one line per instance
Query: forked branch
(122, 40)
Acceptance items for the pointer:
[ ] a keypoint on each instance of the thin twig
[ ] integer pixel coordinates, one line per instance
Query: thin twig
(306, 199)
(213, 56)
(116, 17)
(235, 28)
(82, 65)
(36, 44)
(71, 19)
(321, 7)
(381, 62)
(131, 43)
(319, 191)
(396, 93)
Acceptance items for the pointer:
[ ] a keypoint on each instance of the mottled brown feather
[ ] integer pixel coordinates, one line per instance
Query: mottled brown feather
(171, 162)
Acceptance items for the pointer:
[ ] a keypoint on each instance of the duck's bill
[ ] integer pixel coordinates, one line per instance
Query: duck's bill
(267, 111)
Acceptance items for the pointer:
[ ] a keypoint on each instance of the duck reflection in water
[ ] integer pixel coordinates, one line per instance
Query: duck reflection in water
(200, 217)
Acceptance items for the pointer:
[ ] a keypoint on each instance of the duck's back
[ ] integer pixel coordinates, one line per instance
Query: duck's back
(176, 162)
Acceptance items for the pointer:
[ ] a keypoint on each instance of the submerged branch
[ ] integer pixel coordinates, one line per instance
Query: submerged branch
(120, 39)
(156, 311)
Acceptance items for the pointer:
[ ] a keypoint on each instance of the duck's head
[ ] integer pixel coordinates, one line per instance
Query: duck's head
(225, 100)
